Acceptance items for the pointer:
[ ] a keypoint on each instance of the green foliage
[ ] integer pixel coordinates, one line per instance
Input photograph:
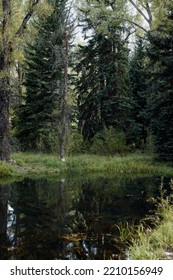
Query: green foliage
(156, 244)
(37, 124)
(111, 110)
(109, 142)
(138, 130)
(103, 84)
(6, 170)
(161, 101)
(76, 144)
(99, 15)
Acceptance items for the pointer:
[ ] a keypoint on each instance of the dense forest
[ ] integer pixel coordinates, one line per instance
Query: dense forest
(88, 76)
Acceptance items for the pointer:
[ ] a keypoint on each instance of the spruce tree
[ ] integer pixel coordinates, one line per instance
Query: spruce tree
(103, 84)
(138, 131)
(161, 98)
(38, 116)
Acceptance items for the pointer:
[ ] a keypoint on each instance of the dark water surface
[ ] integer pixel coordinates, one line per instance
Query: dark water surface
(76, 218)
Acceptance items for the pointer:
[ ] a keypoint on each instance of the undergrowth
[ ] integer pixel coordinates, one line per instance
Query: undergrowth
(6, 170)
(157, 243)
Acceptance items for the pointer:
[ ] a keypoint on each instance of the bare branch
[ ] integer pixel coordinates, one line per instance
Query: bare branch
(149, 13)
(129, 34)
(137, 25)
(27, 18)
(6, 7)
(69, 10)
(140, 11)
(133, 23)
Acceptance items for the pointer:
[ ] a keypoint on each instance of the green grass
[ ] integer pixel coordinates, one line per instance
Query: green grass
(6, 170)
(157, 243)
(133, 164)
(43, 164)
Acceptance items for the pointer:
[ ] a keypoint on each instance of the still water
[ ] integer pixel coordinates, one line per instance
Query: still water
(74, 218)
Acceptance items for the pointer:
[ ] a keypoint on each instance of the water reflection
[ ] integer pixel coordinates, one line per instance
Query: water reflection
(71, 219)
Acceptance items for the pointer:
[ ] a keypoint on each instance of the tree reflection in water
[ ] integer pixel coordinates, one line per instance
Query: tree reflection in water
(70, 219)
(4, 197)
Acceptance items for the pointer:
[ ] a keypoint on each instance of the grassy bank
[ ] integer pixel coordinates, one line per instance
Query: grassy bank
(132, 164)
(156, 244)
(7, 170)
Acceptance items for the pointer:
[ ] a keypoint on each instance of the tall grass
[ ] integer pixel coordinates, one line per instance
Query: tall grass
(132, 164)
(6, 170)
(157, 243)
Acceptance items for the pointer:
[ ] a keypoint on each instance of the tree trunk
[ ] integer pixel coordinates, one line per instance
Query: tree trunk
(5, 54)
(4, 119)
(63, 108)
(19, 71)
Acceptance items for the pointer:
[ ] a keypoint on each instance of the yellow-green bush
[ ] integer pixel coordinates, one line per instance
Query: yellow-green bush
(106, 142)
(76, 144)
(109, 142)
(5, 169)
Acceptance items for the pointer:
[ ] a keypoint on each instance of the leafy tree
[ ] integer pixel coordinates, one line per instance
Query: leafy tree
(9, 36)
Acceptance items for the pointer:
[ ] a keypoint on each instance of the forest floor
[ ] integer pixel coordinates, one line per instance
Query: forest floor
(22, 164)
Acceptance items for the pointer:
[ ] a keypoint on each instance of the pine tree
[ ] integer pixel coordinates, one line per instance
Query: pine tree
(103, 84)
(40, 114)
(138, 131)
(161, 98)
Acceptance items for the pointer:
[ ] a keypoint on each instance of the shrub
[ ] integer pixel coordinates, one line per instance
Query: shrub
(109, 142)
(76, 144)
(5, 170)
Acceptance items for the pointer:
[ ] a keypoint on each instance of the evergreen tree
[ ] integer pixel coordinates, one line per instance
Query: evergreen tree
(103, 84)
(161, 99)
(11, 30)
(138, 130)
(38, 116)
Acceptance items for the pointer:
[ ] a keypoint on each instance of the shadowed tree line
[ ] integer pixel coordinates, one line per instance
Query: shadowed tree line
(109, 91)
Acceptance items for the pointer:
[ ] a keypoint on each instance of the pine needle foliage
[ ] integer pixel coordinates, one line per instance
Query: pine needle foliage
(161, 97)
(39, 115)
(103, 84)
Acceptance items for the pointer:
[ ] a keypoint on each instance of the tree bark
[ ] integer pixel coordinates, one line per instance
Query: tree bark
(63, 107)
(27, 18)
(19, 71)
(4, 119)
(5, 55)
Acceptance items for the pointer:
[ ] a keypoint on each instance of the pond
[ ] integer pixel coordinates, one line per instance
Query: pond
(76, 218)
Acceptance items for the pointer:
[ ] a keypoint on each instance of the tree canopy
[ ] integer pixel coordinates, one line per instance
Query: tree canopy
(122, 78)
